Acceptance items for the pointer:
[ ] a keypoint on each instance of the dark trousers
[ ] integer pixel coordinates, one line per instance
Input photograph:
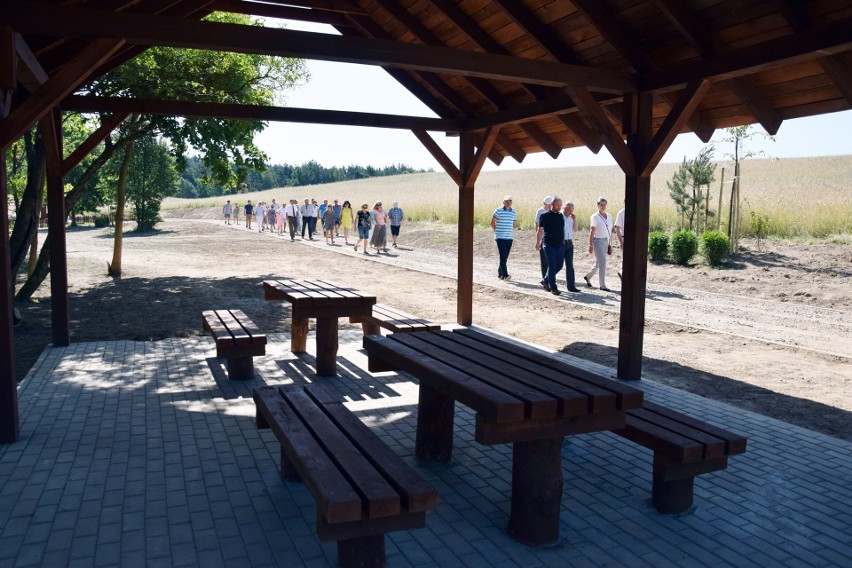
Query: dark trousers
(504, 247)
(308, 223)
(569, 265)
(292, 223)
(555, 257)
(543, 259)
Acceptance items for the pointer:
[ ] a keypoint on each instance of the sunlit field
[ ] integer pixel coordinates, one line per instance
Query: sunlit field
(801, 197)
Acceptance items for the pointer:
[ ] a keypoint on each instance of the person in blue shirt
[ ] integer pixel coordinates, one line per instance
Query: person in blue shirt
(503, 224)
(395, 214)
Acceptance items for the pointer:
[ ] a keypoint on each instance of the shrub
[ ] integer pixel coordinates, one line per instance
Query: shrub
(658, 245)
(101, 221)
(684, 246)
(715, 247)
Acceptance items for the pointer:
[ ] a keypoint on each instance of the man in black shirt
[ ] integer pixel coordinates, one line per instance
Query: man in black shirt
(551, 237)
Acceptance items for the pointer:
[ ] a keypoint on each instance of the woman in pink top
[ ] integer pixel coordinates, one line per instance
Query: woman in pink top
(379, 241)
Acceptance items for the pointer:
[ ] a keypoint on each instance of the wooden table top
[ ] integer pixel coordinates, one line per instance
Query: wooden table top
(503, 381)
(315, 293)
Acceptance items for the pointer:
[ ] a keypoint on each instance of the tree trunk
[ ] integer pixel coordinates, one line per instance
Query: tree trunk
(26, 224)
(31, 265)
(114, 267)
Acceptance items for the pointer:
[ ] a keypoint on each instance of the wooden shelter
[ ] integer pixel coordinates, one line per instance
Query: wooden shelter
(511, 77)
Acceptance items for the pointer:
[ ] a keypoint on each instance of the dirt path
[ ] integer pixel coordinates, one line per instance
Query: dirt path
(738, 348)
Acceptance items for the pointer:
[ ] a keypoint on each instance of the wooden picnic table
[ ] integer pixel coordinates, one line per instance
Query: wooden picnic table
(520, 395)
(325, 301)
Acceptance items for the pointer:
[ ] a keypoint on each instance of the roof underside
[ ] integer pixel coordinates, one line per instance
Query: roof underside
(766, 60)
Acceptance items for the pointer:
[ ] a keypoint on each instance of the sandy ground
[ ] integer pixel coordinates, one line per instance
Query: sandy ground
(770, 332)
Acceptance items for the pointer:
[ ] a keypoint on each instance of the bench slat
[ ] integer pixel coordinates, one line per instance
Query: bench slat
(734, 443)
(214, 325)
(568, 401)
(257, 336)
(240, 337)
(660, 440)
(397, 317)
(593, 399)
(626, 396)
(486, 399)
(379, 498)
(537, 404)
(417, 495)
(713, 447)
(335, 497)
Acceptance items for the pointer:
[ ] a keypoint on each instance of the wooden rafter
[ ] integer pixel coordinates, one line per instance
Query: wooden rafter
(511, 148)
(671, 127)
(535, 28)
(748, 95)
(589, 137)
(615, 34)
(607, 133)
(475, 166)
(55, 89)
(157, 30)
(342, 6)
(256, 112)
(808, 45)
(840, 73)
(440, 156)
(8, 63)
(30, 72)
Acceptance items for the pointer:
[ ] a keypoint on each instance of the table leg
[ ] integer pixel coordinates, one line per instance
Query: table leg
(536, 491)
(327, 346)
(299, 335)
(434, 425)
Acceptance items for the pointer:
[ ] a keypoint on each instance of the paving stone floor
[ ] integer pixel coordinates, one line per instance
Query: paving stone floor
(144, 454)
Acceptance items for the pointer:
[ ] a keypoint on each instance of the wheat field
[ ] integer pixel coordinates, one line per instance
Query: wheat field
(800, 197)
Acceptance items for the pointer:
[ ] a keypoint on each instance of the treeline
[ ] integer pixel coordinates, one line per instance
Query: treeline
(194, 180)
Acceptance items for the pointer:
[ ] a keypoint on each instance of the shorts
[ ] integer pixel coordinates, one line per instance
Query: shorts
(363, 232)
(395, 230)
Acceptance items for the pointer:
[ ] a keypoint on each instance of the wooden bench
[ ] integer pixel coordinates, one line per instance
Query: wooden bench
(238, 339)
(392, 319)
(362, 489)
(683, 448)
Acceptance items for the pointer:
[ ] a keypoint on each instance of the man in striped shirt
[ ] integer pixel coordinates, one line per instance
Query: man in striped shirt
(503, 224)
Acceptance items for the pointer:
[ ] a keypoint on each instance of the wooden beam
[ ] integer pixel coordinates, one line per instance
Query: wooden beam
(637, 200)
(342, 6)
(755, 104)
(699, 127)
(51, 124)
(542, 139)
(587, 135)
(440, 156)
(535, 28)
(256, 112)
(683, 18)
(471, 173)
(9, 427)
(109, 124)
(796, 13)
(513, 149)
(30, 72)
(671, 127)
(266, 10)
(8, 62)
(599, 122)
(559, 104)
(812, 43)
(55, 89)
(840, 74)
(596, 13)
(464, 293)
(173, 32)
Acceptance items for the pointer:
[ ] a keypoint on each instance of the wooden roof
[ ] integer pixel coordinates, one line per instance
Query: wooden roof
(533, 68)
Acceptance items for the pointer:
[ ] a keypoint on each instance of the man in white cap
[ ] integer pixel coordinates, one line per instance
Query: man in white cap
(541, 256)
(503, 223)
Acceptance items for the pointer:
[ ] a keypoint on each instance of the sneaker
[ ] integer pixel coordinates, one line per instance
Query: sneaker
(507, 278)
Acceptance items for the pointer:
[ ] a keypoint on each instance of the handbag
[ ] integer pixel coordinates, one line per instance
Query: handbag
(609, 249)
(609, 240)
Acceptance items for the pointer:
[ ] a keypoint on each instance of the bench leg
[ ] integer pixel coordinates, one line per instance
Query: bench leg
(299, 335)
(370, 327)
(241, 368)
(434, 440)
(675, 496)
(327, 346)
(536, 491)
(366, 551)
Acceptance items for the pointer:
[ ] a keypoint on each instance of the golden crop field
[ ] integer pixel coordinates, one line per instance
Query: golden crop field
(803, 197)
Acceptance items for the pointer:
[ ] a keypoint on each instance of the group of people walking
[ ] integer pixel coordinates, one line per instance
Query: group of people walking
(555, 227)
(332, 217)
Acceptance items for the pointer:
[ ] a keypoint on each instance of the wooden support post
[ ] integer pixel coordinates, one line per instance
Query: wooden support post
(464, 306)
(536, 491)
(8, 380)
(637, 190)
(52, 132)
(435, 412)
(327, 346)
(299, 335)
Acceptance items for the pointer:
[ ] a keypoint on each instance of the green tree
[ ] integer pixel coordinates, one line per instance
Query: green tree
(689, 188)
(151, 179)
(189, 75)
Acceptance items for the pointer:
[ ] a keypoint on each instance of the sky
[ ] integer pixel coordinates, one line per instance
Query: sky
(362, 88)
